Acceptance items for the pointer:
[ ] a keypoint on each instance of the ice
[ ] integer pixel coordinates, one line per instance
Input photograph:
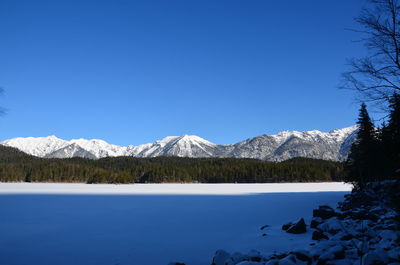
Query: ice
(150, 224)
(199, 189)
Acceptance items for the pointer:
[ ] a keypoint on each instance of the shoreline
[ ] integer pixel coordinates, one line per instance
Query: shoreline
(171, 188)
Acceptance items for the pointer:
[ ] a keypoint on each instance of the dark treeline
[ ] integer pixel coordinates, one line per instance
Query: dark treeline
(17, 166)
(375, 155)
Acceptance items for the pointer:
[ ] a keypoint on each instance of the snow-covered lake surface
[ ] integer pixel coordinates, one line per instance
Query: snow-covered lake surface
(151, 224)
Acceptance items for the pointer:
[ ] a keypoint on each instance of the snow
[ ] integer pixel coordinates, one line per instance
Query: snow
(100, 148)
(44, 146)
(331, 145)
(152, 223)
(171, 145)
(37, 146)
(149, 189)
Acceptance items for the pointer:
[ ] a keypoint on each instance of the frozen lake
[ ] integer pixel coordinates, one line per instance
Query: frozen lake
(151, 224)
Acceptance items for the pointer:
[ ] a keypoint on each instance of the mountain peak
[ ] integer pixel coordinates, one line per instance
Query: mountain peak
(194, 138)
(37, 146)
(333, 145)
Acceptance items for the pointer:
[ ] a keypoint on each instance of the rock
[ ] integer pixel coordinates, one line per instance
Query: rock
(375, 257)
(318, 235)
(332, 226)
(236, 258)
(363, 215)
(338, 251)
(322, 260)
(315, 222)
(388, 235)
(347, 237)
(287, 226)
(324, 212)
(176, 263)
(289, 260)
(394, 254)
(220, 257)
(352, 253)
(263, 227)
(340, 262)
(298, 228)
(254, 255)
(392, 227)
(302, 255)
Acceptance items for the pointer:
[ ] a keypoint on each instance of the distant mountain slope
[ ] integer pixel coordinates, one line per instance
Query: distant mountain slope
(37, 146)
(72, 150)
(182, 146)
(333, 145)
(8, 153)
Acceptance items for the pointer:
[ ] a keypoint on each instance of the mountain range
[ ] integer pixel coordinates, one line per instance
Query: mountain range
(333, 145)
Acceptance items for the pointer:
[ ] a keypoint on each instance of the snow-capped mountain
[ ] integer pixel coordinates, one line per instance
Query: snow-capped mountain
(53, 147)
(333, 145)
(183, 146)
(72, 150)
(289, 144)
(39, 146)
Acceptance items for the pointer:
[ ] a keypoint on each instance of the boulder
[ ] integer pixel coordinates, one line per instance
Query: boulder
(315, 222)
(220, 257)
(318, 235)
(236, 258)
(298, 228)
(347, 237)
(375, 257)
(302, 255)
(325, 258)
(394, 254)
(254, 255)
(332, 226)
(338, 251)
(288, 260)
(324, 212)
(287, 226)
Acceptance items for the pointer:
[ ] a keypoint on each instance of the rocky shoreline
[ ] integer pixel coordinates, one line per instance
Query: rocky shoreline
(363, 229)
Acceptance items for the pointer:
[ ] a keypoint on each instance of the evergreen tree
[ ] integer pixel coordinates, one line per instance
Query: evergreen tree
(391, 137)
(362, 162)
(18, 166)
(27, 177)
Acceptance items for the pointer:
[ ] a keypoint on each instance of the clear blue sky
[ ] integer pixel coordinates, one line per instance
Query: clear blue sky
(132, 72)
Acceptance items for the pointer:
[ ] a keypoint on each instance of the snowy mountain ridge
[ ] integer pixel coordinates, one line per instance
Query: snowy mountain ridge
(333, 145)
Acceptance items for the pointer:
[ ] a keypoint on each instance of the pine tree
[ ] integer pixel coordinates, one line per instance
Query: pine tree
(391, 136)
(362, 165)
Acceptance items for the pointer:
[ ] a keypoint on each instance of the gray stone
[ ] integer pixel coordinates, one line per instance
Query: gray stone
(220, 257)
(324, 212)
(318, 235)
(287, 226)
(298, 228)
